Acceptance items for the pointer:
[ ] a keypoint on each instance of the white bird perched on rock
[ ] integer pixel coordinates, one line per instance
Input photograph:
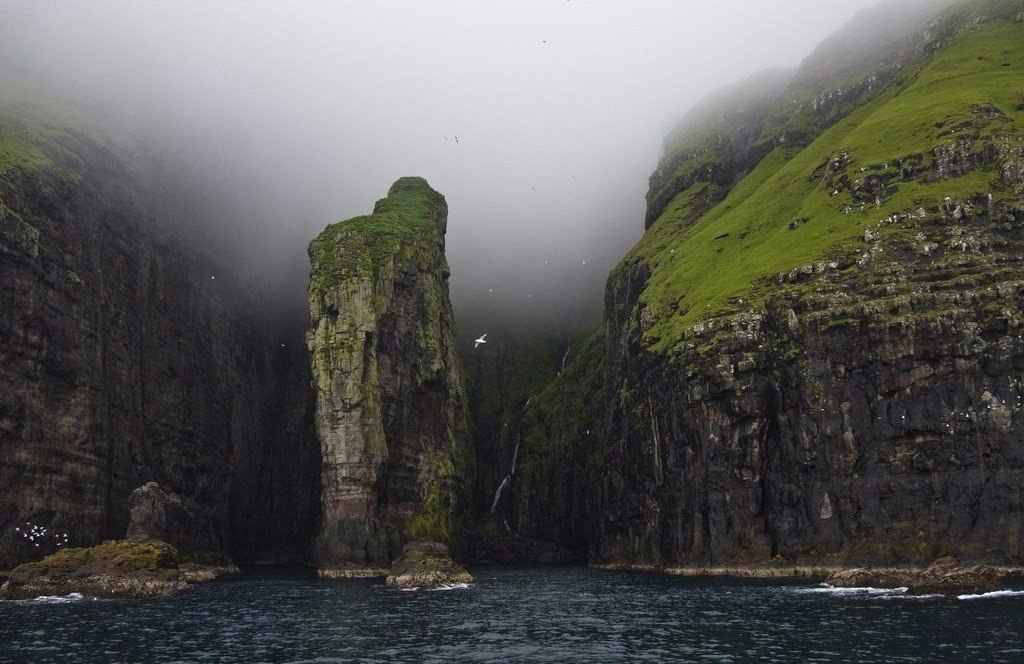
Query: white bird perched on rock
(479, 341)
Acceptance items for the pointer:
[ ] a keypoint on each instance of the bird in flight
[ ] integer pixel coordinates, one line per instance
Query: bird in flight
(479, 341)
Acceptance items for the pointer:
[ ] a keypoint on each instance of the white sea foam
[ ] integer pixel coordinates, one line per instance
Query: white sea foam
(451, 586)
(826, 589)
(57, 599)
(994, 594)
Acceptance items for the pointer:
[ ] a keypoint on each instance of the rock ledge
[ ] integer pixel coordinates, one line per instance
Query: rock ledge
(945, 576)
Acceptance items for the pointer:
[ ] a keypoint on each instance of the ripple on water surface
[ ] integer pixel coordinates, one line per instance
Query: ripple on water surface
(516, 614)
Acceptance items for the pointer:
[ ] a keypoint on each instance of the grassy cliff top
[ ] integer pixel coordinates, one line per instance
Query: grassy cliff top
(806, 203)
(36, 129)
(412, 216)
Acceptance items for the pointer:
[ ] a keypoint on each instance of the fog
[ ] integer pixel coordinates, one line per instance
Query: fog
(539, 120)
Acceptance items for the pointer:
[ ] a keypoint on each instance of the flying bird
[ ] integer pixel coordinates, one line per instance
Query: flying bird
(479, 341)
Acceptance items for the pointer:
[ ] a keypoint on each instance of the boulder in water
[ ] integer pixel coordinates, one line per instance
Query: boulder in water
(426, 564)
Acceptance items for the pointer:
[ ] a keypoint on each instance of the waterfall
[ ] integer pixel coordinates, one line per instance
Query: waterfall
(508, 478)
(515, 459)
(565, 357)
(497, 494)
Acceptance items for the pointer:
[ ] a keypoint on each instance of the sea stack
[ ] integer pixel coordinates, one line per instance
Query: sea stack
(390, 398)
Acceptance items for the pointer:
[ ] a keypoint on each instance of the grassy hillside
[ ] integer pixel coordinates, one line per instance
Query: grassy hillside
(37, 130)
(936, 132)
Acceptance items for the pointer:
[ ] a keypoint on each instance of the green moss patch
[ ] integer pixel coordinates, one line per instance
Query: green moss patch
(406, 221)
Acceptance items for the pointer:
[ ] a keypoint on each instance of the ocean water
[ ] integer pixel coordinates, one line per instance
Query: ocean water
(547, 613)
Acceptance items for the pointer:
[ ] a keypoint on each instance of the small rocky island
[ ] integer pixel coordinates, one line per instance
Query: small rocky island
(168, 545)
(426, 564)
(116, 569)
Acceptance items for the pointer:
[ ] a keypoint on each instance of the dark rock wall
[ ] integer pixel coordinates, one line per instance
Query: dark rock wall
(123, 361)
(877, 419)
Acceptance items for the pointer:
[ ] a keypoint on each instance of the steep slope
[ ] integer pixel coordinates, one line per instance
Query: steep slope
(817, 356)
(390, 400)
(124, 361)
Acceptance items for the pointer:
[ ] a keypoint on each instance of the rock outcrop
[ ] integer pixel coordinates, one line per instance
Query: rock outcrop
(114, 570)
(945, 576)
(426, 564)
(126, 357)
(390, 401)
(155, 514)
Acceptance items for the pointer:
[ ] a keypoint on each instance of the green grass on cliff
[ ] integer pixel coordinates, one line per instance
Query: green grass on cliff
(409, 218)
(731, 252)
(33, 127)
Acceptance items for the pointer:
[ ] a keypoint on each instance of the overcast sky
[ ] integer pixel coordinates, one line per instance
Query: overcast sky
(305, 112)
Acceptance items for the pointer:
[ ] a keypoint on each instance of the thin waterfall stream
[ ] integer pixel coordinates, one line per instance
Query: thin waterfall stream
(515, 459)
(565, 357)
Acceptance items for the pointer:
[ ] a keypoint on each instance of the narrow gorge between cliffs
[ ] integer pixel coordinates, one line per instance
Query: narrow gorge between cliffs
(422, 408)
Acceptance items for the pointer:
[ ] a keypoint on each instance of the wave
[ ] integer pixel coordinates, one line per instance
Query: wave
(866, 591)
(451, 586)
(60, 599)
(896, 593)
(994, 594)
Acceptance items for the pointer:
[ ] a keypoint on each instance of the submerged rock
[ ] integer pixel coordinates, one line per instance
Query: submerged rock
(945, 576)
(114, 569)
(426, 564)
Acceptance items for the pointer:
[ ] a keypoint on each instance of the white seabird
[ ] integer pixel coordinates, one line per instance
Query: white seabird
(479, 341)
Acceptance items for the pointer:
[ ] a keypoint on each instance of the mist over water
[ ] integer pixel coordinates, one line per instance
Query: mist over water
(538, 120)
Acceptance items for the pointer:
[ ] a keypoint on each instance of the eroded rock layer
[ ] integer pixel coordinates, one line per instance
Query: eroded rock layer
(390, 404)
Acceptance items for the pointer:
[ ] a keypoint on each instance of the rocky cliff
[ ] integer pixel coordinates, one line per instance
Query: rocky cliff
(390, 401)
(126, 357)
(814, 354)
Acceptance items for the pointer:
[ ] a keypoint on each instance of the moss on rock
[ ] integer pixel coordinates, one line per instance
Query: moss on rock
(391, 412)
(116, 568)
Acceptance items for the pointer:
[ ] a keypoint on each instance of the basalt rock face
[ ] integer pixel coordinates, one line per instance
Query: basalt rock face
(877, 419)
(822, 363)
(390, 401)
(125, 358)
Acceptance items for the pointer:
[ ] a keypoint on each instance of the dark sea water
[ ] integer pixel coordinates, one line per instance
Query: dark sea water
(554, 614)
